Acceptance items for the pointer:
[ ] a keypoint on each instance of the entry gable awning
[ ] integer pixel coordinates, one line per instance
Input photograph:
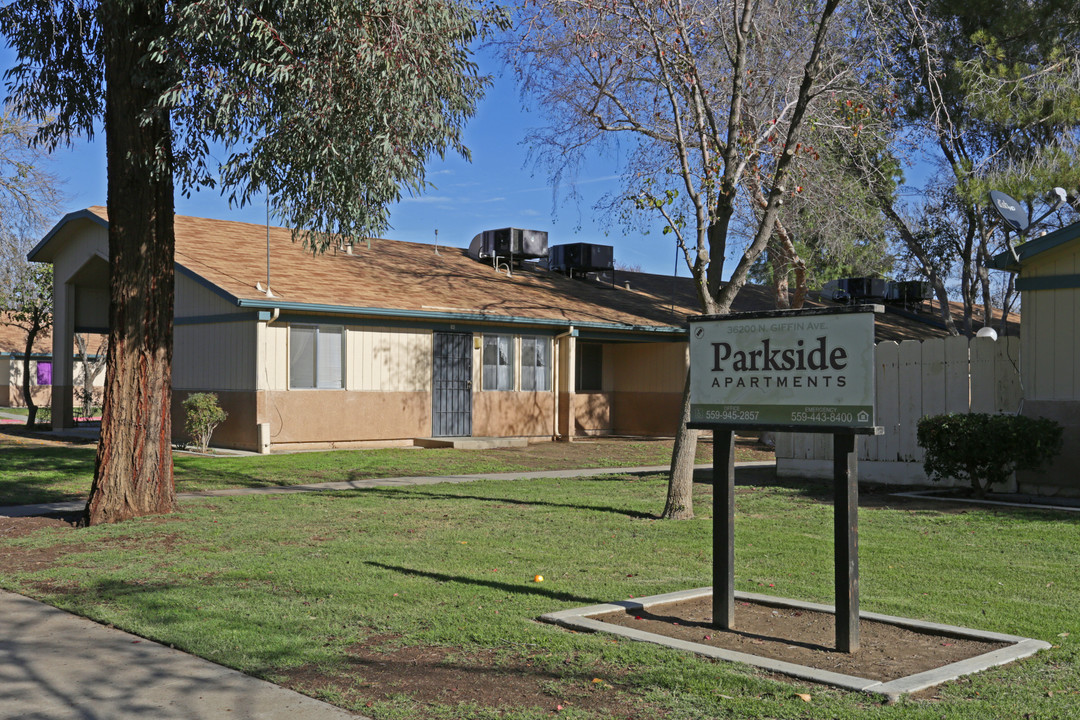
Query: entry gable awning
(51, 245)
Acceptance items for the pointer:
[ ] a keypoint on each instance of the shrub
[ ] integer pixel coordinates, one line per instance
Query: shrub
(203, 416)
(984, 449)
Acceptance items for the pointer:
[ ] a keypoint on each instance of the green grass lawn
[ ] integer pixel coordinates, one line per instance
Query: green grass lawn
(285, 587)
(39, 474)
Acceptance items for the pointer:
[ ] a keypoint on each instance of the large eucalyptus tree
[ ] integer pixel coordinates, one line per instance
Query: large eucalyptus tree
(331, 107)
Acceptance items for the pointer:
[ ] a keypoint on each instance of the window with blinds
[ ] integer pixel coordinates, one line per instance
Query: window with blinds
(316, 357)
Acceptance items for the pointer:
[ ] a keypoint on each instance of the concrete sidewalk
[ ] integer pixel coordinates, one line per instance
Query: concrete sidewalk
(76, 505)
(56, 666)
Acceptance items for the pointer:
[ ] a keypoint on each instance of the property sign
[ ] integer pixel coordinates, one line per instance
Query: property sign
(809, 368)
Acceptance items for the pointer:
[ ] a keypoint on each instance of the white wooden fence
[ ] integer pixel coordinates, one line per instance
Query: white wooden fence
(914, 378)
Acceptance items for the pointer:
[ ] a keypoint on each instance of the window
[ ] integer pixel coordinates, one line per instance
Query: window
(316, 354)
(498, 362)
(535, 364)
(590, 367)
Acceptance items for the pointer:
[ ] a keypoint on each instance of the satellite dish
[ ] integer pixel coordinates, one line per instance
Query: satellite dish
(1009, 210)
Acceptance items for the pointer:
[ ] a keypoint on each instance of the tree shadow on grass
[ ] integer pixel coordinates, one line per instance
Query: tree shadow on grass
(27, 474)
(877, 496)
(501, 586)
(397, 493)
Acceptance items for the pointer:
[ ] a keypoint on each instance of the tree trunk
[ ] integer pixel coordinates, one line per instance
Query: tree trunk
(680, 496)
(133, 474)
(943, 297)
(31, 408)
(779, 261)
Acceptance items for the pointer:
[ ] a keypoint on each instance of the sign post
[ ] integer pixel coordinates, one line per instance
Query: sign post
(786, 371)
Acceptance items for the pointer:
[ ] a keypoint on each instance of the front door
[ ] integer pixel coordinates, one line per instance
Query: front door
(451, 387)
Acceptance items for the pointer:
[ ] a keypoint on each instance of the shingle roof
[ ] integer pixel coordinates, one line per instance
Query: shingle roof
(415, 279)
(402, 276)
(13, 339)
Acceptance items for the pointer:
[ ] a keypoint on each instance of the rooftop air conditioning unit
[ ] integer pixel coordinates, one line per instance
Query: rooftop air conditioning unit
(509, 245)
(909, 292)
(864, 288)
(581, 258)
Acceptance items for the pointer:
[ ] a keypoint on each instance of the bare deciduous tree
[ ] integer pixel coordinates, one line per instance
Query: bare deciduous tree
(28, 195)
(707, 102)
(92, 366)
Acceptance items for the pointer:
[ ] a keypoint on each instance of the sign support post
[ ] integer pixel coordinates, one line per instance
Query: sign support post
(723, 539)
(846, 540)
(809, 371)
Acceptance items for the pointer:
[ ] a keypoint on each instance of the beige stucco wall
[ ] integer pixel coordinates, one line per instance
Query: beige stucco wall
(80, 243)
(647, 367)
(272, 356)
(387, 394)
(11, 391)
(648, 413)
(11, 375)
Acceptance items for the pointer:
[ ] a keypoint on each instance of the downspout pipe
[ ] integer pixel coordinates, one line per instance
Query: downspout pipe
(263, 428)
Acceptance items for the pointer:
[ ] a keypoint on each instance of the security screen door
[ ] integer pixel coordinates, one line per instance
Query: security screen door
(451, 388)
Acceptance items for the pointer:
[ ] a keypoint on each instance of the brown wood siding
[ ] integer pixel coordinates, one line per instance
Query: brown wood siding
(239, 431)
(513, 414)
(646, 413)
(592, 413)
(327, 416)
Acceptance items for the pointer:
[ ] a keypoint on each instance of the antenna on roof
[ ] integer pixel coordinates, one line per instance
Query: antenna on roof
(258, 286)
(436, 241)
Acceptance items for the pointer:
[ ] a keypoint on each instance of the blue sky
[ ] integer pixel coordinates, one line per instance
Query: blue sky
(499, 188)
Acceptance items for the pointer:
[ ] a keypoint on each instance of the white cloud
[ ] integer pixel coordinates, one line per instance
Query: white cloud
(427, 199)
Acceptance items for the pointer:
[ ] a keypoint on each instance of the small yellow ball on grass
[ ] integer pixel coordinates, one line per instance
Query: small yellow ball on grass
(538, 578)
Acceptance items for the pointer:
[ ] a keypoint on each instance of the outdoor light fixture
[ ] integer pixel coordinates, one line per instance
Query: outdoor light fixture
(987, 332)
